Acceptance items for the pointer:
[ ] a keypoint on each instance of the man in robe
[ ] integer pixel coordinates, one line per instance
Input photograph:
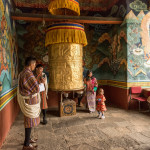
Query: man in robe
(29, 100)
(40, 76)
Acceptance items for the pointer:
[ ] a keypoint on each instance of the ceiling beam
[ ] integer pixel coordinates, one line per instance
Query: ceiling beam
(76, 19)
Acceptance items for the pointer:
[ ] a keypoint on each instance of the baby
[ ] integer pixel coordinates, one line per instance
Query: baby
(100, 100)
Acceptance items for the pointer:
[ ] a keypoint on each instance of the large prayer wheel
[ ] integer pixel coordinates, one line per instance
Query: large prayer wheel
(66, 71)
(65, 43)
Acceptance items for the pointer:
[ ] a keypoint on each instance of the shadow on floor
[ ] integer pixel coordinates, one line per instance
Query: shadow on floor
(53, 112)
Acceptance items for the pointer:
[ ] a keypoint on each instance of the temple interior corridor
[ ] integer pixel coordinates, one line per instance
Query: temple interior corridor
(69, 38)
(120, 130)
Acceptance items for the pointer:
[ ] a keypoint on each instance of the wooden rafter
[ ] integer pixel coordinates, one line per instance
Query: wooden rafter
(77, 19)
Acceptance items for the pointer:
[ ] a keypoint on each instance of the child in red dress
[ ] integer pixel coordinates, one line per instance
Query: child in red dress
(100, 100)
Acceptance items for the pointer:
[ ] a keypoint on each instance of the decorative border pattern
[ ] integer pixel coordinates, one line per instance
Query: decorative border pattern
(6, 97)
(124, 85)
(66, 26)
(143, 84)
(113, 83)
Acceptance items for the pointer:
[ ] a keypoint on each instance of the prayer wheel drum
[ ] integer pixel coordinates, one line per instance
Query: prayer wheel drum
(65, 43)
(66, 71)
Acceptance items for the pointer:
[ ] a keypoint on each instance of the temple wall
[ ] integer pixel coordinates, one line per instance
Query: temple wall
(105, 53)
(138, 37)
(8, 70)
(111, 50)
(118, 55)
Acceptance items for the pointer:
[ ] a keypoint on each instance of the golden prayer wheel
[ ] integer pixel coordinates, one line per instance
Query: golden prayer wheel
(65, 43)
(66, 71)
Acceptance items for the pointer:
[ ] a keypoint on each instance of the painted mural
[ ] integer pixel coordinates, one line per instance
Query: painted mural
(138, 41)
(29, 47)
(8, 51)
(113, 49)
(106, 52)
(98, 50)
(114, 52)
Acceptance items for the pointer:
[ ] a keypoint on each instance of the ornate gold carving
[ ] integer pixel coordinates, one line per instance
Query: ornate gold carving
(66, 71)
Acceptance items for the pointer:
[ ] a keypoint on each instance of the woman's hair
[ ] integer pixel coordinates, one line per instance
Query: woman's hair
(87, 75)
(29, 60)
(39, 65)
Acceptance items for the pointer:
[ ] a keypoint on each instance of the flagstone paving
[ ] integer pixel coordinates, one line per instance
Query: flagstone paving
(120, 130)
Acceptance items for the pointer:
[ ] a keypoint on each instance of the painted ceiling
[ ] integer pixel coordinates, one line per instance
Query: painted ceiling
(88, 5)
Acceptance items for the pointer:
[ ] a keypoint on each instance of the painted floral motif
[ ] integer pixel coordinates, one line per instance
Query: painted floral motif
(138, 5)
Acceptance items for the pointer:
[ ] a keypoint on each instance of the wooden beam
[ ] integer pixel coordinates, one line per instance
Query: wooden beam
(77, 19)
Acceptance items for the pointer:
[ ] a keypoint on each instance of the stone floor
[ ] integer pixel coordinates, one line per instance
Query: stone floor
(120, 130)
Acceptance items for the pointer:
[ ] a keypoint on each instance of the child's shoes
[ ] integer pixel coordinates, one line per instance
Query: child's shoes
(103, 117)
(99, 115)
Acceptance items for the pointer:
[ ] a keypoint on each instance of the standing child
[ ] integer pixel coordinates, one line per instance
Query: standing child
(101, 107)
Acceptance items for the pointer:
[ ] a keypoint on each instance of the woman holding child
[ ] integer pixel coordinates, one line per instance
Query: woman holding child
(91, 87)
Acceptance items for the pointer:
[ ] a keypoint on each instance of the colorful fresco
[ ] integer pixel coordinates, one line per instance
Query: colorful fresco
(122, 52)
(29, 47)
(94, 54)
(106, 53)
(8, 52)
(138, 41)
(114, 52)
(138, 46)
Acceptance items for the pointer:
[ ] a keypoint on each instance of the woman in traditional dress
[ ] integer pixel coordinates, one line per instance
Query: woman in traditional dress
(91, 87)
(40, 76)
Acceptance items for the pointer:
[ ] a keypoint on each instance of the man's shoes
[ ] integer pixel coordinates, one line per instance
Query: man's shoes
(33, 140)
(30, 147)
(44, 121)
